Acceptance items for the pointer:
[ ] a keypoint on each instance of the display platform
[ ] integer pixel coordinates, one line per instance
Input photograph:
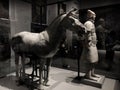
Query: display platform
(60, 79)
(96, 83)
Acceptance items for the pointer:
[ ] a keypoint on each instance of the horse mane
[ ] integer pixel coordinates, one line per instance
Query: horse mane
(55, 23)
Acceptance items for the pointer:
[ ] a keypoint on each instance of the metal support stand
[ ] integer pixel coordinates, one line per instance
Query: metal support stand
(32, 80)
(78, 77)
(78, 64)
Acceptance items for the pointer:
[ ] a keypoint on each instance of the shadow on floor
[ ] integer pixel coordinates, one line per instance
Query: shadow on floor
(8, 83)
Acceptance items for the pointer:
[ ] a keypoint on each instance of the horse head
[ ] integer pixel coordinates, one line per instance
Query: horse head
(71, 22)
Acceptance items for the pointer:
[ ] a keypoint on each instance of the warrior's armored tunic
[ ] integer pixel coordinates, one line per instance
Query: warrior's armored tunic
(90, 52)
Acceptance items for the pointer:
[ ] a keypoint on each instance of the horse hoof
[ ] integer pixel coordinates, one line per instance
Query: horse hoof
(36, 89)
(41, 87)
(46, 85)
(17, 82)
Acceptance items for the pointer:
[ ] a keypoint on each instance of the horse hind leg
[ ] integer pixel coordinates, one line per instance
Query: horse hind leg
(23, 66)
(17, 67)
(41, 67)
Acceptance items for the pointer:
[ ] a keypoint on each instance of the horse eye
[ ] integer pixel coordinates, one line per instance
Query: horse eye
(73, 24)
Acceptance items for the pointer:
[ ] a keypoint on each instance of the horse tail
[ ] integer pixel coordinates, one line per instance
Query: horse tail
(15, 41)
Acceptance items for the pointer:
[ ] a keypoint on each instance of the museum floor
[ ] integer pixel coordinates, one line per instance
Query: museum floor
(60, 79)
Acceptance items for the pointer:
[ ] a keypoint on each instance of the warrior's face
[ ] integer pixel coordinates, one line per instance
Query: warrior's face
(91, 15)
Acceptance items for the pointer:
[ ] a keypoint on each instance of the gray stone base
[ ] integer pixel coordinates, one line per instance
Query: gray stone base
(98, 83)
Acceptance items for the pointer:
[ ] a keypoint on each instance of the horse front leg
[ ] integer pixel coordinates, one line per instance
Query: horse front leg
(41, 67)
(17, 67)
(47, 71)
(23, 66)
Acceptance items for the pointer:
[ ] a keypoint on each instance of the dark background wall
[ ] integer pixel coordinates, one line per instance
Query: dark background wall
(4, 30)
(96, 3)
(4, 9)
(111, 14)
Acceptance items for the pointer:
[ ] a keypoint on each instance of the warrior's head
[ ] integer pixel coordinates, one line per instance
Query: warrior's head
(91, 15)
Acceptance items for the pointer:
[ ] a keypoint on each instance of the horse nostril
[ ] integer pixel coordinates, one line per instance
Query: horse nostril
(82, 29)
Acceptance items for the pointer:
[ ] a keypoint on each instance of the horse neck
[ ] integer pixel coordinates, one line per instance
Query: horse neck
(56, 35)
(56, 32)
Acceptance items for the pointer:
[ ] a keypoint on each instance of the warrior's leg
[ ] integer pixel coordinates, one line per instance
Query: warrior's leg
(88, 74)
(93, 72)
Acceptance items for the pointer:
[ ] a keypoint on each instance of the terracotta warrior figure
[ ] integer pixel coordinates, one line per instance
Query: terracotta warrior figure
(101, 32)
(90, 53)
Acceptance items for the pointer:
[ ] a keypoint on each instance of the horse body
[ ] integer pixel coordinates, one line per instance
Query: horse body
(42, 44)
(45, 44)
(31, 43)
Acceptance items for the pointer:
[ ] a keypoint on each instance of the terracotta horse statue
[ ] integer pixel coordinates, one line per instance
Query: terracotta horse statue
(44, 45)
